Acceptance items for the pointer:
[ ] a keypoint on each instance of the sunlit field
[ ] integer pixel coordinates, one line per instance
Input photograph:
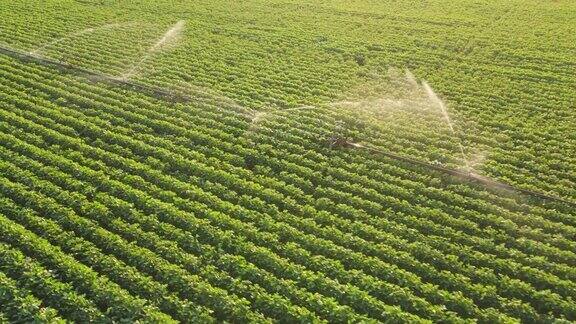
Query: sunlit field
(268, 161)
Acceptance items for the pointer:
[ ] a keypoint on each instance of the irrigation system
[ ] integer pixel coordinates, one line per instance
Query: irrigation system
(335, 141)
(469, 176)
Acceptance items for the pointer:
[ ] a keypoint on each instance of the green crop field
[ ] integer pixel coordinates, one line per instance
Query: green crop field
(288, 161)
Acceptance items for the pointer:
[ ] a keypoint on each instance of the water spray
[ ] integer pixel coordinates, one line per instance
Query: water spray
(76, 34)
(167, 38)
(339, 141)
(470, 176)
(434, 97)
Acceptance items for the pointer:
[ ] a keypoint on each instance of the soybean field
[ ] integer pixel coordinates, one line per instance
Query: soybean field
(287, 161)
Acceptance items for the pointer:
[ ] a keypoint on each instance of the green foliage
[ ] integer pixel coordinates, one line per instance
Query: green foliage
(194, 193)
